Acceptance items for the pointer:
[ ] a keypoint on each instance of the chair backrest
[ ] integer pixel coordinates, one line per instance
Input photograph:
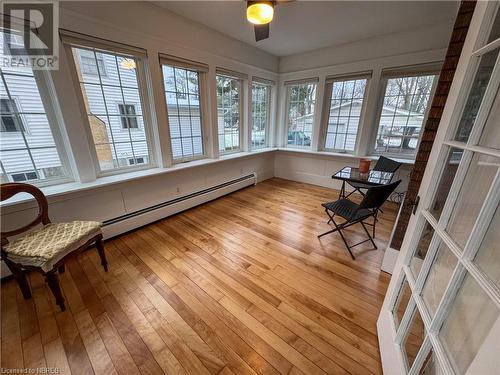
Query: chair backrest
(386, 165)
(377, 195)
(12, 188)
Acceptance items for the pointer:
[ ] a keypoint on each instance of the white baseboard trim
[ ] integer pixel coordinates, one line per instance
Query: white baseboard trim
(389, 261)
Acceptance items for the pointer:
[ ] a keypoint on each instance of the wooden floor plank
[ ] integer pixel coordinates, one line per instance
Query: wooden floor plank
(239, 285)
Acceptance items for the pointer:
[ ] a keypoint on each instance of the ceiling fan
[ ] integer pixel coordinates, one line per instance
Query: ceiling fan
(261, 13)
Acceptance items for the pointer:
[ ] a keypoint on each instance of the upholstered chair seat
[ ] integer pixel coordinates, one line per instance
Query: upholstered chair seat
(44, 247)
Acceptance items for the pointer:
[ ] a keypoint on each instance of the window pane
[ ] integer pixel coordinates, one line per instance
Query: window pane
(495, 29)
(421, 251)
(470, 332)
(109, 86)
(183, 106)
(228, 113)
(261, 101)
(478, 180)
(401, 119)
(414, 338)
(431, 365)
(345, 113)
(401, 303)
(488, 256)
(476, 94)
(439, 276)
(302, 99)
(27, 146)
(491, 136)
(446, 179)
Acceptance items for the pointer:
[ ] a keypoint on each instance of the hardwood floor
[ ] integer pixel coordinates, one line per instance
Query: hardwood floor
(239, 285)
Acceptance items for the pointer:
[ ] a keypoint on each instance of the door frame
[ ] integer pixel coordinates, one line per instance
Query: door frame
(391, 354)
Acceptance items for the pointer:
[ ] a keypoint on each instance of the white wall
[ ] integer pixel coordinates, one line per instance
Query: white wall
(111, 201)
(146, 25)
(433, 37)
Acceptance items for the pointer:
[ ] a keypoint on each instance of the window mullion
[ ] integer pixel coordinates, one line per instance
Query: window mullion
(127, 119)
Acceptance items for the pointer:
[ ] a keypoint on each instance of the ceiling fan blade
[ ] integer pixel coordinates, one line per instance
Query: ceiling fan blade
(261, 32)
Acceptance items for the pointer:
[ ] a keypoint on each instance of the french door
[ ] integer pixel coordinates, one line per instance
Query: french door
(441, 313)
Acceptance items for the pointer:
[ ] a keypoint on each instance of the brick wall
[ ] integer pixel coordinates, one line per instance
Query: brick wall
(457, 40)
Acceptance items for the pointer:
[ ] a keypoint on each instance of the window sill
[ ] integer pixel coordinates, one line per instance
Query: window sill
(61, 190)
(341, 155)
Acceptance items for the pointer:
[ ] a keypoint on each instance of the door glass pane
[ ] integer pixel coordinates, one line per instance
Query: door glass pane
(446, 179)
(401, 303)
(478, 180)
(495, 29)
(414, 338)
(471, 330)
(491, 133)
(476, 94)
(431, 365)
(422, 248)
(488, 256)
(439, 276)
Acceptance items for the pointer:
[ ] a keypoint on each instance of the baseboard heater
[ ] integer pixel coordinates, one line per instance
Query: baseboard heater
(124, 223)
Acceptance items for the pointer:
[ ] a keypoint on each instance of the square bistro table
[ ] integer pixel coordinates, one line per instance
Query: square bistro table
(371, 178)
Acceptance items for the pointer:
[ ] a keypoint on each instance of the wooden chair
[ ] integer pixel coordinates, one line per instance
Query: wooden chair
(47, 248)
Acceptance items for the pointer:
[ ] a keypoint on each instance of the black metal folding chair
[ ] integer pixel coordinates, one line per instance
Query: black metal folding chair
(355, 213)
(383, 165)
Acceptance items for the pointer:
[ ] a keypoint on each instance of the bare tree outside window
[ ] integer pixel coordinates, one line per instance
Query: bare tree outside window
(301, 102)
(402, 115)
(228, 113)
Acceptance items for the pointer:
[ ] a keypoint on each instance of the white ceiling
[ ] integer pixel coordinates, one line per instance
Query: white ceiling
(308, 25)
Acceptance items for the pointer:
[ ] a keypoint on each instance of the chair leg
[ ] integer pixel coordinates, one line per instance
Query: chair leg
(53, 281)
(374, 223)
(339, 229)
(330, 216)
(61, 269)
(100, 249)
(368, 234)
(20, 277)
(345, 242)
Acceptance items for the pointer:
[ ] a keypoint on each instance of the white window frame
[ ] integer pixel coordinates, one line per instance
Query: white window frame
(241, 79)
(415, 71)
(202, 70)
(327, 104)
(51, 106)
(288, 86)
(267, 130)
(75, 40)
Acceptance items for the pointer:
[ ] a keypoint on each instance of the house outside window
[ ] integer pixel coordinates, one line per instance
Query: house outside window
(402, 113)
(301, 99)
(90, 63)
(10, 121)
(345, 97)
(229, 103)
(24, 155)
(182, 84)
(117, 127)
(129, 119)
(24, 176)
(261, 108)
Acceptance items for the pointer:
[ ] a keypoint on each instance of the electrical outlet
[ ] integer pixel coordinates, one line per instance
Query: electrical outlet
(241, 170)
(177, 190)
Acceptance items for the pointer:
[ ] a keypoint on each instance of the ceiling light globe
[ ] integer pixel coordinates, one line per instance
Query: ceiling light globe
(260, 13)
